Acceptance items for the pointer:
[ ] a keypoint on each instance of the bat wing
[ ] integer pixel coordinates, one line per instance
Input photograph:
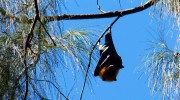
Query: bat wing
(103, 59)
(115, 58)
(118, 61)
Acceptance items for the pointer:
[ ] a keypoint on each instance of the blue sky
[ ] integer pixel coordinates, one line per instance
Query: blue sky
(130, 35)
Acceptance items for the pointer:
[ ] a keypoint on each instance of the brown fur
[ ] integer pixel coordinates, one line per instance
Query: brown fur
(109, 73)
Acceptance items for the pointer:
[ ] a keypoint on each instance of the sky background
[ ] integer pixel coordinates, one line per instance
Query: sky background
(130, 34)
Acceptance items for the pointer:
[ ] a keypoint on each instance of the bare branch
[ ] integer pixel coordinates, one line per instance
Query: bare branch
(47, 33)
(92, 16)
(28, 45)
(104, 15)
(30, 35)
(53, 85)
(27, 86)
(99, 7)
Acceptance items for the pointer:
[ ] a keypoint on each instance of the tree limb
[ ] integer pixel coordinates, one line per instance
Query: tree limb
(103, 15)
(90, 16)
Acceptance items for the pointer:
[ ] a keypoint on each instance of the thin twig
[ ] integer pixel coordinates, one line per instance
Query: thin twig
(99, 7)
(90, 55)
(47, 33)
(71, 89)
(36, 90)
(53, 85)
(120, 4)
(27, 86)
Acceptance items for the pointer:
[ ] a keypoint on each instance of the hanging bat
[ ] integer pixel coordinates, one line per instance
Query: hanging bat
(110, 62)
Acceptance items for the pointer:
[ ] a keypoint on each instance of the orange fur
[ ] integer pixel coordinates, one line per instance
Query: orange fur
(109, 73)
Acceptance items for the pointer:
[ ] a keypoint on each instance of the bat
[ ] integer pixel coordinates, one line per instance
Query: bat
(110, 62)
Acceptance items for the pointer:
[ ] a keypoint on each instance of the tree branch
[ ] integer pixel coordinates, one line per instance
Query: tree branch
(103, 15)
(28, 45)
(47, 32)
(99, 7)
(90, 16)
(53, 85)
(27, 86)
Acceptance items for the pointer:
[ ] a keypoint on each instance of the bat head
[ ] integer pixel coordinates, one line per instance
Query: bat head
(109, 73)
